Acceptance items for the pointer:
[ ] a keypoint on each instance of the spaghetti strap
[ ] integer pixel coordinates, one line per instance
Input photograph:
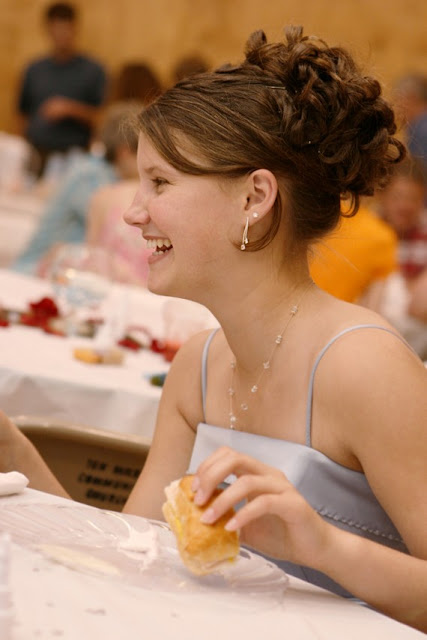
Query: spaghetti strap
(205, 370)
(316, 364)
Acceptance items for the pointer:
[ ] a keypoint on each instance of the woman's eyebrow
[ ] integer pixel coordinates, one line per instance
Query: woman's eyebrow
(155, 169)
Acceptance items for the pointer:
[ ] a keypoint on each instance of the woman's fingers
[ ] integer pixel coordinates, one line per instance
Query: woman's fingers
(245, 488)
(222, 463)
(285, 504)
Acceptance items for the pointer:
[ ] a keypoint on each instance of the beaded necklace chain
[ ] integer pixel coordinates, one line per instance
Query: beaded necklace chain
(244, 406)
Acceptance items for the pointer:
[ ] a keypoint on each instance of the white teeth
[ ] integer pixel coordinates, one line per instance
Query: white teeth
(154, 243)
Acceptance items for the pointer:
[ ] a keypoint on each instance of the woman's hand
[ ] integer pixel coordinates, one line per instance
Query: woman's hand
(275, 520)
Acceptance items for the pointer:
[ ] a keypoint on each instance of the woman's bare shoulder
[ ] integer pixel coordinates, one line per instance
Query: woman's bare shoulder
(371, 374)
(183, 385)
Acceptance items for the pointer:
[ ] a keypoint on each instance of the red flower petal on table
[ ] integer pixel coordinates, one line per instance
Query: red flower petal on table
(30, 320)
(130, 343)
(158, 346)
(46, 307)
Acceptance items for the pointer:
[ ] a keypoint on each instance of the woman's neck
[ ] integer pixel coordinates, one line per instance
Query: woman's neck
(253, 316)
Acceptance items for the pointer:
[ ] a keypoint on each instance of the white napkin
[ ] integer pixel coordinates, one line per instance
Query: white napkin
(12, 482)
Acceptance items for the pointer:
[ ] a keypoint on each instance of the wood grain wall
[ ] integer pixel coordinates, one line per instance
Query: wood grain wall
(387, 36)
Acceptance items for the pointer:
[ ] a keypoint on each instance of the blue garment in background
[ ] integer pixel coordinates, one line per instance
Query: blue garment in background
(64, 220)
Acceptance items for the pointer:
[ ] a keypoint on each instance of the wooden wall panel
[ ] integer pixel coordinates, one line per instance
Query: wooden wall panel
(387, 35)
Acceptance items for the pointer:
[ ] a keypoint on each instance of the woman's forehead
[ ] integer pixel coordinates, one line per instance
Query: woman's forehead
(148, 157)
(183, 151)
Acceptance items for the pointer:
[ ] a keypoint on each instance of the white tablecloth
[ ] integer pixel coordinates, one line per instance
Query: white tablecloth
(39, 376)
(52, 600)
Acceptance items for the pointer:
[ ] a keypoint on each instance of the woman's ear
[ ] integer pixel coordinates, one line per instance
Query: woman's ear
(261, 194)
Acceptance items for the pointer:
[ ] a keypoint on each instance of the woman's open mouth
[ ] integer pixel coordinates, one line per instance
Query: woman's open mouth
(160, 245)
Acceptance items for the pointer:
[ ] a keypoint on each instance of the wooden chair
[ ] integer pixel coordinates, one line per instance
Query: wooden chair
(94, 466)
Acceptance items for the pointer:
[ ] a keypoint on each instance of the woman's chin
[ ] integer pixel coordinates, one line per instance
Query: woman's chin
(162, 286)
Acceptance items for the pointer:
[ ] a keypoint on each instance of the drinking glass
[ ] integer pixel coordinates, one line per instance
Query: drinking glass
(81, 277)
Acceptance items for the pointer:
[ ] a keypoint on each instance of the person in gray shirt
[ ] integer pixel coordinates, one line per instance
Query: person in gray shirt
(60, 94)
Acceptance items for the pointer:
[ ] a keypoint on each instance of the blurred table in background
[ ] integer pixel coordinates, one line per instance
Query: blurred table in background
(19, 216)
(40, 376)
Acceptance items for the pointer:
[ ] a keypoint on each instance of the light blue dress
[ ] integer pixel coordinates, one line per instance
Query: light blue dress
(340, 495)
(64, 219)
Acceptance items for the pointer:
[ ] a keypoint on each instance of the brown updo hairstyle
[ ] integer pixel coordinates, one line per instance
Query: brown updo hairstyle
(298, 108)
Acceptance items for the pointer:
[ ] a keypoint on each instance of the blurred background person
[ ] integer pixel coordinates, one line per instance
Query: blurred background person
(410, 97)
(401, 205)
(64, 221)
(402, 297)
(60, 94)
(189, 66)
(360, 251)
(135, 81)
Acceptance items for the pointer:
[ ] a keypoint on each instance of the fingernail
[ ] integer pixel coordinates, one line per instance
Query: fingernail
(195, 484)
(231, 525)
(199, 498)
(208, 516)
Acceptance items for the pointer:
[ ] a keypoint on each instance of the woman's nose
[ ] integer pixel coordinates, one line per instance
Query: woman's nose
(137, 213)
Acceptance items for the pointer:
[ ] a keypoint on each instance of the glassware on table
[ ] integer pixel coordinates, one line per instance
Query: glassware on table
(81, 277)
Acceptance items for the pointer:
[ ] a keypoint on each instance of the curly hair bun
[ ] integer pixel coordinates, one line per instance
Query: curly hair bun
(328, 105)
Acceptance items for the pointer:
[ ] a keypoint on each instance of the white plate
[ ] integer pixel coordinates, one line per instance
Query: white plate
(91, 540)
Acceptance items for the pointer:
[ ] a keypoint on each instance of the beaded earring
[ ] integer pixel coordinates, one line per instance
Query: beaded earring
(245, 239)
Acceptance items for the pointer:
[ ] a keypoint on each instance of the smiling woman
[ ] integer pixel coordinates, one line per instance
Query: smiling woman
(314, 406)
(177, 213)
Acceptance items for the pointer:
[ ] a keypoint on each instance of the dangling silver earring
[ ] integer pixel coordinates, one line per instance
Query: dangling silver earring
(245, 235)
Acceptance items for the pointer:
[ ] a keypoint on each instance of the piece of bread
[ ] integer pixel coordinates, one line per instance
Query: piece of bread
(93, 356)
(204, 548)
(87, 355)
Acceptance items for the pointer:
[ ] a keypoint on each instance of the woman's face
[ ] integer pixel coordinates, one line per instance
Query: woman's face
(403, 203)
(187, 221)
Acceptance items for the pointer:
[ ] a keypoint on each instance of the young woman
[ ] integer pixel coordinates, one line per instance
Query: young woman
(316, 406)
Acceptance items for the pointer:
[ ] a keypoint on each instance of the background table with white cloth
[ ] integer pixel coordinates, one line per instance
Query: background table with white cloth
(59, 589)
(39, 375)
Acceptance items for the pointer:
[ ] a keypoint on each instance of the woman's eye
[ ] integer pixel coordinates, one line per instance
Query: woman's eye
(159, 182)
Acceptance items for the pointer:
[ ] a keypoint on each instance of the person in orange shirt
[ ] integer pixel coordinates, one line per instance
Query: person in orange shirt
(360, 251)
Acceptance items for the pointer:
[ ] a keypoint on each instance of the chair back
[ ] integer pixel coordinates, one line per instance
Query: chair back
(94, 466)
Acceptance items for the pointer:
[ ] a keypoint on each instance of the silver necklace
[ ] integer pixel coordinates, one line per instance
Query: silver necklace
(266, 365)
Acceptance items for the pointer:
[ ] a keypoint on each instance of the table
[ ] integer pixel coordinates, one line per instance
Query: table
(53, 600)
(39, 375)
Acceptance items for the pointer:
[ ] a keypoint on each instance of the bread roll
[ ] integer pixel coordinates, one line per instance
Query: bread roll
(93, 356)
(204, 548)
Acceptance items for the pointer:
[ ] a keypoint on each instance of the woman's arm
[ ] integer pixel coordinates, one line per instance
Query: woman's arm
(179, 413)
